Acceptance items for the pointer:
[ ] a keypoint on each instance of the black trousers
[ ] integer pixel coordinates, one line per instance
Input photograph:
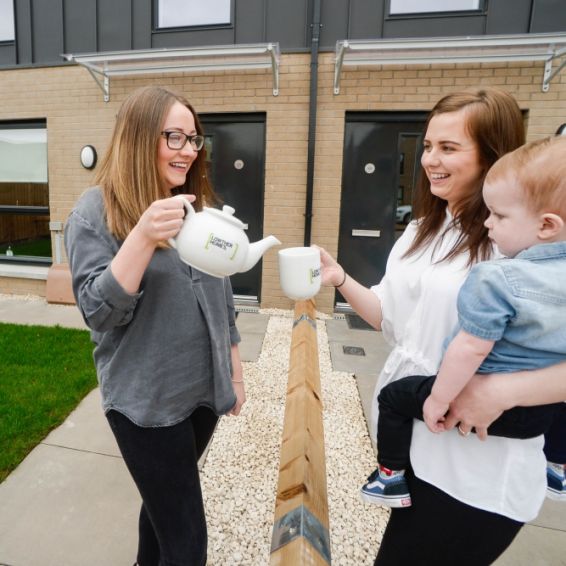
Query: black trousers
(163, 464)
(438, 530)
(402, 401)
(555, 438)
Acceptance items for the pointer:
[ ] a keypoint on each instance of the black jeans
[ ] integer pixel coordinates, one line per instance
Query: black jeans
(438, 530)
(555, 438)
(402, 401)
(163, 463)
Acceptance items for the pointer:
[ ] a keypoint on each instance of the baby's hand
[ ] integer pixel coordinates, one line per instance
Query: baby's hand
(434, 413)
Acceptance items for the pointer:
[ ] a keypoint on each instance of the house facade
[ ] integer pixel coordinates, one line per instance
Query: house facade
(313, 110)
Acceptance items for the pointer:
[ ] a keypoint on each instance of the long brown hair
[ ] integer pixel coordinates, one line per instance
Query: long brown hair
(495, 123)
(128, 175)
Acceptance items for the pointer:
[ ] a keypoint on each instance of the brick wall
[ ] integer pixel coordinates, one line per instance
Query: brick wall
(76, 115)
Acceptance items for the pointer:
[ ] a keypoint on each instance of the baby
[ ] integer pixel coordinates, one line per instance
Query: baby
(512, 316)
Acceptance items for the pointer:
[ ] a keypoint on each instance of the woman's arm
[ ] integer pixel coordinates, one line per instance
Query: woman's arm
(364, 301)
(161, 221)
(237, 380)
(487, 396)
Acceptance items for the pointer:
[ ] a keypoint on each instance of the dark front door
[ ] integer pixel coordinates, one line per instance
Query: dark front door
(235, 150)
(381, 157)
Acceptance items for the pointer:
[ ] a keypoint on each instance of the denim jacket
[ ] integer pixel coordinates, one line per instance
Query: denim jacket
(520, 303)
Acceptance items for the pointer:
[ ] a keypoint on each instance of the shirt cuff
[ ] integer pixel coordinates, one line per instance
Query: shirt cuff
(113, 293)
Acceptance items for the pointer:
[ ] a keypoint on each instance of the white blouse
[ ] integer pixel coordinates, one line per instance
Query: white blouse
(418, 299)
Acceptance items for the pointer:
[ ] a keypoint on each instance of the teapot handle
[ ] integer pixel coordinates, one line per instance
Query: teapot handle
(190, 212)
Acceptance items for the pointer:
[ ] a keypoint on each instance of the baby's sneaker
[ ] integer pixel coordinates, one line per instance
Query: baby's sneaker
(556, 481)
(387, 487)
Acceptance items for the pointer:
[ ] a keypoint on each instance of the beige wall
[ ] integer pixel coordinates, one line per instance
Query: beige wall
(76, 115)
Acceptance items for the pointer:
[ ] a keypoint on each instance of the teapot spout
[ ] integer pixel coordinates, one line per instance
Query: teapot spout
(256, 250)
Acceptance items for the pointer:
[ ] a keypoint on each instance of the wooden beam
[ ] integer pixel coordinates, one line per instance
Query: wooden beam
(301, 530)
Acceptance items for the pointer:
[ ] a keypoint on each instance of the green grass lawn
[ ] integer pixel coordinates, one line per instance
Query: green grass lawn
(44, 373)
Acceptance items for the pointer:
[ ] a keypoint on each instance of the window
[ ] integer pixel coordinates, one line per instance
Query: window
(7, 20)
(24, 193)
(186, 13)
(399, 7)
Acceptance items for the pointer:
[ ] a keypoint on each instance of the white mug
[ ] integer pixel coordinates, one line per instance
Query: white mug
(299, 272)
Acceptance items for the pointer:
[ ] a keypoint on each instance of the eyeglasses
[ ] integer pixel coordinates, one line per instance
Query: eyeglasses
(178, 140)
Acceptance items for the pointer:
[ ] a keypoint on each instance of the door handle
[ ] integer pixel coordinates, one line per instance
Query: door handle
(367, 233)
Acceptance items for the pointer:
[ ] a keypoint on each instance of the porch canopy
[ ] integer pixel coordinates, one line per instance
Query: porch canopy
(108, 64)
(469, 49)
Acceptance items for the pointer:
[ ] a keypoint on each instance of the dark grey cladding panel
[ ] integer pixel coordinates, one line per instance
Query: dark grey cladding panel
(334, 16)
(141, 24)
(7, 53)
(548, 16)
(193, 38)
(434, 27)
(288, 23)
(500, 19)
(114, 25)
(47, 30)
(250, 18)
(366, 19)
(80, 26)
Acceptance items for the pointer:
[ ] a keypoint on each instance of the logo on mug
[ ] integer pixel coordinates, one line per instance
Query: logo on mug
(221, 244)
(314, 273)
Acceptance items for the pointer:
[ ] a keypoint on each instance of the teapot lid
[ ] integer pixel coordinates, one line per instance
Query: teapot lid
(227, 213)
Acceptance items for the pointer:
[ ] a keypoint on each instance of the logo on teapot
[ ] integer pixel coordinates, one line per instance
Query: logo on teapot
(314, 273)
(221, 244)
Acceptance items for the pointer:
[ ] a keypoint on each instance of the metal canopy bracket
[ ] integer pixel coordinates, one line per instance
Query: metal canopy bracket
(471, 49)
(104, 65)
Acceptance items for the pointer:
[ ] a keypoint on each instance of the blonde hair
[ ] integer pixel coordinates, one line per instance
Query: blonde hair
(128, 174)
(539, 168)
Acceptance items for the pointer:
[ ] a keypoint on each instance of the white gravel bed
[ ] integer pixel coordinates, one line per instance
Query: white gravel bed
(239, 477)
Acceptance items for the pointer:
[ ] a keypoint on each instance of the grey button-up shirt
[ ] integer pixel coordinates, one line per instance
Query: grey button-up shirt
(164, 351)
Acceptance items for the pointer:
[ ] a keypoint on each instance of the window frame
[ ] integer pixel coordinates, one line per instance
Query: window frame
(481, 10)
(26, 210)
(13, 39)
(189, 27)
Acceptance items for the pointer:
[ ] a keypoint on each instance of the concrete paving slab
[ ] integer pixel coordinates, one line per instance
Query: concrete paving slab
(86, 429)
(366, 387)
(535, 546)
(65, 507)
(38, 311)
(252, 327)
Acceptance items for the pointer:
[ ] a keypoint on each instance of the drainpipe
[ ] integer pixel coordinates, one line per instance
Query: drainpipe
(316, 25)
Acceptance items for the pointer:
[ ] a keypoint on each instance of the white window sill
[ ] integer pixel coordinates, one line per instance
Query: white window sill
(23, 271)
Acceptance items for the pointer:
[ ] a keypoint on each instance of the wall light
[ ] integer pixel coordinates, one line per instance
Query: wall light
(88, 157)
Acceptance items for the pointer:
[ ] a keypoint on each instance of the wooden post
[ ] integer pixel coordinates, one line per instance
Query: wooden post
(300, 530)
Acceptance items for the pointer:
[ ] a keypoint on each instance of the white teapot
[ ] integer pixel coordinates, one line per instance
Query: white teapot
(214, 242)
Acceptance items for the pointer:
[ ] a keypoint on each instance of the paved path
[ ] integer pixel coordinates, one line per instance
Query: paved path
(72, 503)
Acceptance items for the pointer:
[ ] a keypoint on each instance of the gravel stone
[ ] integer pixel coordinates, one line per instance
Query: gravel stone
(239, 476)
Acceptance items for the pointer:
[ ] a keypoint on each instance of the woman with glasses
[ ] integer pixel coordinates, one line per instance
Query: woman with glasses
(166, 343)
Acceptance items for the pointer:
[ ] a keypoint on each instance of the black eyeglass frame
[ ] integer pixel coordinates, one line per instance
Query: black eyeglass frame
(196, 141)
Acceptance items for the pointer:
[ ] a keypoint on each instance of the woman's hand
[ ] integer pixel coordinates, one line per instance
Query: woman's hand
(479, 404)
(162, 219)
(237, 381)
(332, 272)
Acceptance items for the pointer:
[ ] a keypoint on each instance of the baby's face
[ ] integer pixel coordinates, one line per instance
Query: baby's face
(512, 226)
